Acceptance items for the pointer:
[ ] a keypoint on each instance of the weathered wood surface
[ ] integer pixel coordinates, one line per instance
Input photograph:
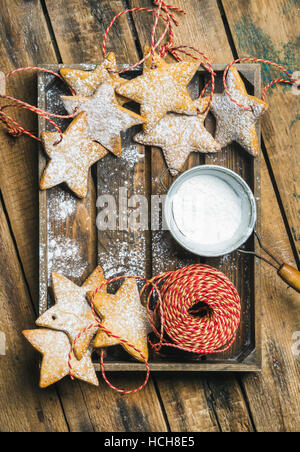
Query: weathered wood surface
(254, 34)
(189, 403)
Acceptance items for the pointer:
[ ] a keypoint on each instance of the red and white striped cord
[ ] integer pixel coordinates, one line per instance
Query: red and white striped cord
(177, 300)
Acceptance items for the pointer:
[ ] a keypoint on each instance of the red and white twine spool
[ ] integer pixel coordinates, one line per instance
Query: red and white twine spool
(199, 312)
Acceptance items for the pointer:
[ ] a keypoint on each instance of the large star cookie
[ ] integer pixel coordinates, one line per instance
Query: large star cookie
(124, 316)
(72, 313)
(55, 348)
(234, 123)
(71, 158)
(85, 83)
(161, 90)
(106, 118)
(179, 135)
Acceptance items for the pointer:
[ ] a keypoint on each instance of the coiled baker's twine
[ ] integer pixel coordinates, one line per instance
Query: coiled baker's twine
(198, 309)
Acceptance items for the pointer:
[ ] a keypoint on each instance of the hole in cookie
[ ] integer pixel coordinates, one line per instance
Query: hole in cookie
(54, 317)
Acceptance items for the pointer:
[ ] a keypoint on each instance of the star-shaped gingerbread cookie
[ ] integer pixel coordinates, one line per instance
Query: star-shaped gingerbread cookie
(72, 313)
(106, 118)
(124, 316)
(234, 123)
(71, 159)
(85, 83)
(180, 135)
(55, 348)
(161, 89)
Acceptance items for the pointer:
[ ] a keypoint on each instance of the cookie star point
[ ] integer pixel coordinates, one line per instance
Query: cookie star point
(179, 136)
(72, 313)
(55, 348)
(234, 123)
(85, 83)
(124, 316)
(106, 118)
(71, 159)
(161, 90)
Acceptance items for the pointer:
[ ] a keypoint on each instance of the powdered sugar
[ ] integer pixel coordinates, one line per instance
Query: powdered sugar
(234, 123)
(106, 118)
(180, 135)
(55, 347)
(207, 210)
(161, 90)
(64, 257)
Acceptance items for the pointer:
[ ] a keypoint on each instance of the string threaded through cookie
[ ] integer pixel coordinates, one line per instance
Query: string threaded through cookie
(290, 80)
(198, 309)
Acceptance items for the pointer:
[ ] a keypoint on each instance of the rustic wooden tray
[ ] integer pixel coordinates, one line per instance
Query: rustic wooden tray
(70, 243)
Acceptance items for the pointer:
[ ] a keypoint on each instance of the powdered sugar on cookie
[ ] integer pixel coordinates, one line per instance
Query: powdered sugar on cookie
(72, 313)
(180, 135)
(106, 118)
(55, 348)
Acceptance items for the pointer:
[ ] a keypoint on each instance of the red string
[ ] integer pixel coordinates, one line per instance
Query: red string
(13, 127)
(181, 291)
(169, 47)
(155, 46)
(121, 340)
(290, 81)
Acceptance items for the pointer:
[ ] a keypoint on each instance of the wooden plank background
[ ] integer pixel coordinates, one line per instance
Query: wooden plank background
(48, 31)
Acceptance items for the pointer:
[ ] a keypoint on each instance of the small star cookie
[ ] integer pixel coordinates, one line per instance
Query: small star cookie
(85, 83)
(124, 315)
(106, 118)
(234, 123)
(72, 313)
(161, 90)
(55, 348)
(71, 159)
(180, 135)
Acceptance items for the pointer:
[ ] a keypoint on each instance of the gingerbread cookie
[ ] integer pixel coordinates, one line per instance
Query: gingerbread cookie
(2, 84)
(124, 316)
(106, 118)
(72, 313)
(85, 83)
(179, 135)
(161, 89)
(71, 159)
(234, 123)
(55, 348)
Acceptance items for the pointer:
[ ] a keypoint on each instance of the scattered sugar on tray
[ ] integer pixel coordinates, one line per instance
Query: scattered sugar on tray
(126, 257)
(65, 206)
(131, 155)
(64, 257)
(207, 210)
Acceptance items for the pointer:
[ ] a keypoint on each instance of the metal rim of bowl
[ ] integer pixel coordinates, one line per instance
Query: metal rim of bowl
(247, 190)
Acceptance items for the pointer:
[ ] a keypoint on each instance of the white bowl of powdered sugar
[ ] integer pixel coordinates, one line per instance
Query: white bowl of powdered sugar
(210, 211)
